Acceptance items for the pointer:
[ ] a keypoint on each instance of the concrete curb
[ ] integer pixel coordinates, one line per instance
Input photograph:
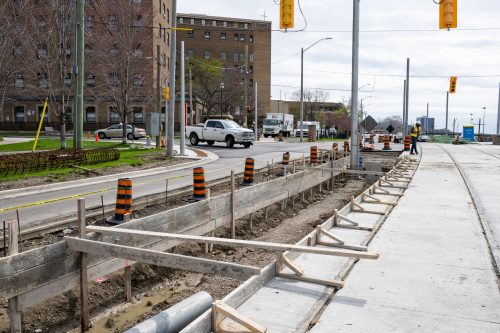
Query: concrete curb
(19, 192)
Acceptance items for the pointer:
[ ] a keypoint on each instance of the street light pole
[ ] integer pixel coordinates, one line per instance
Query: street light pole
(182, 108)
(173, 53)
(221, 87)
(484, 118)
(302, 50)
(354, 86)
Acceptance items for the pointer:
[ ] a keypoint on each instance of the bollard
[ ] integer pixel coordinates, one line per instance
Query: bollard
(280, 136)
(123, 201)
(314, 155)
(407, 143)
(346, 146)
(387, 144)
(249, 171)
(286, 158)
(199, 188)
(177, 317)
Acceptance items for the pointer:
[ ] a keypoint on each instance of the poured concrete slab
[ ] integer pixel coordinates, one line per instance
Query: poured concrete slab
(434, 272)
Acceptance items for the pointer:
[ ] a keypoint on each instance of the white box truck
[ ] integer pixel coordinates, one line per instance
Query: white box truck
(305, 128)
(278, 122)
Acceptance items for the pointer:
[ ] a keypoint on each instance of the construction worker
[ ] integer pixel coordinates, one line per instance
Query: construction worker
(415, 133)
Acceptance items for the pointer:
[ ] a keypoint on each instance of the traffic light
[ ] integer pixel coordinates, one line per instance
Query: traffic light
(166, 93)
(286, 14)
(453, 84)
(448, 14)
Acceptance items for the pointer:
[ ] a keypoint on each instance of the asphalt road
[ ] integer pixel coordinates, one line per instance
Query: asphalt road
(229, 159)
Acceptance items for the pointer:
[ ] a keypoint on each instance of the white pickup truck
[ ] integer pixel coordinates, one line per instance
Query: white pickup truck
(220, 130)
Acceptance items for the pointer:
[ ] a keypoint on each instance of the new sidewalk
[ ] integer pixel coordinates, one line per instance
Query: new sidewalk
(434, 273)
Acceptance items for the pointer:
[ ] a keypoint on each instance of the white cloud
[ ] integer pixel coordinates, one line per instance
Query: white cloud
(440, 53)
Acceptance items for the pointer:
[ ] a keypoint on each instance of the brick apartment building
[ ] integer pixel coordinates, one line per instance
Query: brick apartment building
(120, 58)
(225, 38)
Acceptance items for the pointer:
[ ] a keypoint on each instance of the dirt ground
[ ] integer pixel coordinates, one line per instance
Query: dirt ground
(157, 288)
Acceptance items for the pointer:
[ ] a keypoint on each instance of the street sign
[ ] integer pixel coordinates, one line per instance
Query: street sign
(390, 129)
(368, 124)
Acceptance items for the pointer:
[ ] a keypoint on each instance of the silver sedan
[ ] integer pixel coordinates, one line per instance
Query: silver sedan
(116, 131)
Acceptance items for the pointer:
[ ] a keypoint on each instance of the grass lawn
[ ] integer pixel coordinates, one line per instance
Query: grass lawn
(331, 139)
(52, 144)
(129, 157)
(1, 139)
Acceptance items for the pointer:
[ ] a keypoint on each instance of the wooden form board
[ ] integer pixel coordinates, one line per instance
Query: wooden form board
(45, 272)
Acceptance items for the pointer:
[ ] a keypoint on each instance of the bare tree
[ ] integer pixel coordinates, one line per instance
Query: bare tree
(207, 79)
(120, 48)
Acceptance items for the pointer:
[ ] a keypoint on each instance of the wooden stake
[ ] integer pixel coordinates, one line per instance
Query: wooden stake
(84, 291)
(166, 193)
(220, 311)
(15, 316)
(128, 283)
(233, 208)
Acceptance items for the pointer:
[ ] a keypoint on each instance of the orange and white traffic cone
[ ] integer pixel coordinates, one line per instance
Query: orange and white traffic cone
(96, 137)
(162, 142)
(88, 135)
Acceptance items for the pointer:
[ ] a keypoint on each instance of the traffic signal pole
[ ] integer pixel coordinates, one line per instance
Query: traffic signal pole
(407, 96)
(447, 100)
(354, 87)
(182, 106)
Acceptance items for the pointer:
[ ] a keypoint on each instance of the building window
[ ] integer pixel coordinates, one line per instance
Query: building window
(224, 24)
(168, 37)
(19, 80)
(112, 22)
(137, 81)
(67, 79)
(90, 80)
(90, 114)
(114, 50)
(89, 23)
(207, 34)
(191, 21)
(17, 51)
(164, 10)
(214, 23)
(223, 56)
(250, 69)
(180, 20)
(251, 38)
(251, 83)
(41, 51)
(138, 22)
(235, 37)
(191, 34)
(223, 36)
(235, 57)
(137, 115)
(168, 16)
(160, 31)
(114, 116)
(246, 25)
(89, 52)
(68, 52)
(242, 38)
(19, 114)
(202, 22)
(42, 80)
(242, 82)
(251, 57)
(40, 22)
(138, 51)
(242, 56)
(190, 53)
(45, 116)
(136, 2)
(113, 79)
(206, 55)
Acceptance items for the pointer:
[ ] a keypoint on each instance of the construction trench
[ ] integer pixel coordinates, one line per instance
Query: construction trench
(44, 281)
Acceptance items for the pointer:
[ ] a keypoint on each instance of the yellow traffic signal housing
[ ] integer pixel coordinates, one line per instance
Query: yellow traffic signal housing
(448, 14)
(453, 84)
(166, 93)
(286, 14)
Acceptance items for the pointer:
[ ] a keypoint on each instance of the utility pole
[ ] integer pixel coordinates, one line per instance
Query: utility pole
(182, 107)
(246, 85)
(158, 92)
(173, 52)
(454, 121)
(191, 95)
(354, 86)
(255, 125)
(79, 72)
(498, 115)
(407, 95)
(404, 110)
(301, 94)
(427, 120)
(447, 100)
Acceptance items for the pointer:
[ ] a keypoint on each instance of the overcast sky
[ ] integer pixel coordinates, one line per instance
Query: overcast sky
(438, 54)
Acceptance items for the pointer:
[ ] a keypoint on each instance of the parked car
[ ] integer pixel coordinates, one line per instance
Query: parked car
(116, 131)
(423, 138)
(220, 130)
